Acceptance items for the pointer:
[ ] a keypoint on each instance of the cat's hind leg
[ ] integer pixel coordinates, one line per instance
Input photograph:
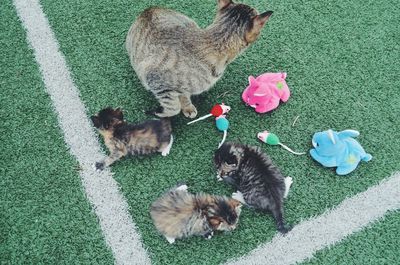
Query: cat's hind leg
(161, 85)
(288, 183)
(170, 105)
(277, 212)
(165, 150)
(188, 109)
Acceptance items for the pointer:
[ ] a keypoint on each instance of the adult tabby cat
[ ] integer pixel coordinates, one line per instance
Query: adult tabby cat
(175, 59)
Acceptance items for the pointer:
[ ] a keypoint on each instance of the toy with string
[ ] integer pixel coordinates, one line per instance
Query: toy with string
(219, 111)
(272, 139)
(222, 125)
(216, 111)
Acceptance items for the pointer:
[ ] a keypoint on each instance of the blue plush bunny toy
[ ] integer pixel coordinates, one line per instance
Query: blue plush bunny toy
(333, 149)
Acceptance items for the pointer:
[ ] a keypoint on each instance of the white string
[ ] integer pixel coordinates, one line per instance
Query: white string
(223, 139)
(290, 150)
(199, 119)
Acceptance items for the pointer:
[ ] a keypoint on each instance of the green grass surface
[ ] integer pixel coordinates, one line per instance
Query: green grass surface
(342, 61)
(44, 215)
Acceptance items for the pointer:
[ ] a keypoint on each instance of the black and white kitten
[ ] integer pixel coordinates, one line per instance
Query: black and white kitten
(259, 183)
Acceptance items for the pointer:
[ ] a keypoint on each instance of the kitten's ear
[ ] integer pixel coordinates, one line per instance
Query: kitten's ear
(118, 113)
(215, 222)
(260, 19)
(96, 121)
(235, 203)
(232, 160)
(224, 3)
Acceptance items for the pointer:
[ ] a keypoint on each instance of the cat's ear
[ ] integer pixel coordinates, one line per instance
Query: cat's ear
(260, 19)
(96, 121)
(258, 23)
(224, 3)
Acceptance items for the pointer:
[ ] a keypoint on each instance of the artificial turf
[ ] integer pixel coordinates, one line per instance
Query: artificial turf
(342, 61)
(44, 216)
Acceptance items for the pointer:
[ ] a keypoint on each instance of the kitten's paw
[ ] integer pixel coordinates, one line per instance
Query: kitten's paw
(167, 149)
(285, 229)
(189, 111)
(209, 235)
(99, 166)
(183, 187)
(238, 196)
(219, 178)
(170, 240)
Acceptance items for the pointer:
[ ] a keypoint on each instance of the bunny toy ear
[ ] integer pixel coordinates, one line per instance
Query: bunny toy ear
(331, 136)
(348, 133)
(252, 80)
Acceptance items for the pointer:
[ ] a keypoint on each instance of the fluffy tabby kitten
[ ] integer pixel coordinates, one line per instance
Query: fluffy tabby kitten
(122, 138)
(179, 214)
(259, 183)
(175, 59)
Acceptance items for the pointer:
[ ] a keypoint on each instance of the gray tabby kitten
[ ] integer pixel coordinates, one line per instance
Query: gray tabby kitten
(258, 182)
(179, 214)
(175, 59)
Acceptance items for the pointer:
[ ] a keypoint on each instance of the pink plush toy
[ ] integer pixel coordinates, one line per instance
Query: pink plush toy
(265, 91)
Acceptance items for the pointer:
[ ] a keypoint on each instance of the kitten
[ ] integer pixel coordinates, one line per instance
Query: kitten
(259, 183)
(179, 214)
(175, 59)
(122, 138)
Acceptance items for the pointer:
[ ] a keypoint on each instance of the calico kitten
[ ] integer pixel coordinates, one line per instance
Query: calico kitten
(122, 138)
(175, 59)
(179, 214)
(258, 182)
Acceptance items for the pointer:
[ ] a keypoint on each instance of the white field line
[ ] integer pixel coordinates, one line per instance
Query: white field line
(350, 216)
(101, 189)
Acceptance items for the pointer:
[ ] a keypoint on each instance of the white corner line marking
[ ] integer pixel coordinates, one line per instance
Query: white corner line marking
(350, 216)
(101, 189)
